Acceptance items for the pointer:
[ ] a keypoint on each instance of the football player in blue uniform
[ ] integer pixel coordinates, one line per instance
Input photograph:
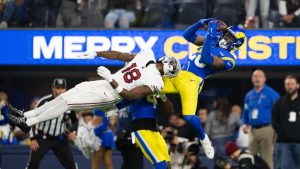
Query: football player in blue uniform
(212, 56)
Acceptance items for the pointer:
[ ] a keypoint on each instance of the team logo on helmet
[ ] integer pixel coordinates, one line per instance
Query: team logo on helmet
(233, 39)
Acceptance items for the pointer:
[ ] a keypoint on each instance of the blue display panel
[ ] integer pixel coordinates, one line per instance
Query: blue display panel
(62, 47)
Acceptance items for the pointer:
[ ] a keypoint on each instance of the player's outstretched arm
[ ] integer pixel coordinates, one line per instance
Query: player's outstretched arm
(112, 55)
(212, 38)
(190, 33)
(136, 93)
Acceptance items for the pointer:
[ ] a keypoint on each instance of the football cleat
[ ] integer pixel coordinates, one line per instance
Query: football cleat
(208, 149)
(14, 111)
(20, 122)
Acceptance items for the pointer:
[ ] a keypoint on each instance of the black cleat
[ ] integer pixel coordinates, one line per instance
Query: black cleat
(20, 122)
(14, 111)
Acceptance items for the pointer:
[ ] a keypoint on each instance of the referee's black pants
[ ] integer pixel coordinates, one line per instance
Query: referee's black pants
(132, 158)
(61, 149)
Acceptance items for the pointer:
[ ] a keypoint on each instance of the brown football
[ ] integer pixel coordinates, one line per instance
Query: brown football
(222, 27)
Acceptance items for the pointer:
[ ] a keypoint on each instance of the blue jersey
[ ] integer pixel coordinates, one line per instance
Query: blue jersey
(200, 69)
(258, 106)
(143, 108)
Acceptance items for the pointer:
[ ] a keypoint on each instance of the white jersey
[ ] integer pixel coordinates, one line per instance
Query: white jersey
(140, 72)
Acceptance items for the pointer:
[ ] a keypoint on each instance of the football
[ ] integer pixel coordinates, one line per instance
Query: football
(223, 27)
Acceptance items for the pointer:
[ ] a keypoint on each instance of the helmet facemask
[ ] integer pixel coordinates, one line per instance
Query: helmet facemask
(227, 41)
(171, 66)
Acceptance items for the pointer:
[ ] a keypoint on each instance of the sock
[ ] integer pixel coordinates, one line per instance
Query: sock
(43, 108)
(160, 165)
(30, 114)
(32, 121)
(196, 123)
(53, 112)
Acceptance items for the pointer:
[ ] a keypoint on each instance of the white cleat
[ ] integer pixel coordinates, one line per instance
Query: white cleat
(208, 149)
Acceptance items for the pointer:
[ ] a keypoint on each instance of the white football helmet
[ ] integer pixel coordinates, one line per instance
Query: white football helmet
(171, 66)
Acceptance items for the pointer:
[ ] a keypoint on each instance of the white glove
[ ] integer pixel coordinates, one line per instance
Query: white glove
(87, 55)
(105, 73)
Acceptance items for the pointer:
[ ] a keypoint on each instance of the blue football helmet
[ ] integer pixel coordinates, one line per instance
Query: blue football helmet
(233, 38)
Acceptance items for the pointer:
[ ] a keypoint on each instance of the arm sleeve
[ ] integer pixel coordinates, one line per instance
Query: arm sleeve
(206, 55)
(229, 62)
(190, 33)
(226, 56)
(210, 42)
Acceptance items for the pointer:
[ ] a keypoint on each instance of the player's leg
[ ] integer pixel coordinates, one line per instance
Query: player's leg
(162, 146)
(84, 96)
(71, 93)
(44, 107)
(47, 111)
(51, 109)
(147, 141)
(51, 113)
(96, 159)
(98, 94)
(168, 86)
(107, 158)
(189, 86)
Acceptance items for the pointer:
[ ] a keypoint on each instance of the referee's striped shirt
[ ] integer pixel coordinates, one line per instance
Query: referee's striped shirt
(56, 126)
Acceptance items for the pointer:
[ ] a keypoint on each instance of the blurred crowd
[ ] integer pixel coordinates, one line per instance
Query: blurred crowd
(111, 14)
(261, 133)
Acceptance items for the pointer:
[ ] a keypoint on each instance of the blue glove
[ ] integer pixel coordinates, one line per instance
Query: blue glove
(190, 33)
(206, 21)
(213, 29)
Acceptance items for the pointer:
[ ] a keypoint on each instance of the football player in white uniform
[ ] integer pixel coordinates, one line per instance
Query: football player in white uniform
(142, 76)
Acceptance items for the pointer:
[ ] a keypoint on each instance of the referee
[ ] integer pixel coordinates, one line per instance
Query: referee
(52, 134)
